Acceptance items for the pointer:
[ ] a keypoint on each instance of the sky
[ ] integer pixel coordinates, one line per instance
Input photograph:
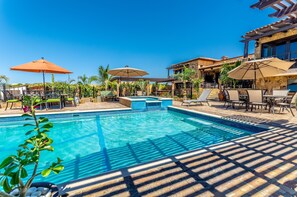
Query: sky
(81, 35)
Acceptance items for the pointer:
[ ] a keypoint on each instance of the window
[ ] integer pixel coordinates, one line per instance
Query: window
(293, 50)
(266, 51)
(280, 51)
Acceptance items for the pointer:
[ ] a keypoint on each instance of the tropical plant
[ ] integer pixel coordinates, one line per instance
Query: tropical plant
(224, 77)
(104, 77)
(197, 83)
(13, 172)
(3, 79)
(141, 84)
(185, 76)
(84, 83)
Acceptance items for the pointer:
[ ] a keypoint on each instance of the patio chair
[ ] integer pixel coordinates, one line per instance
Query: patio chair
(202, 98)
(53, 99)
(256, 99)
(11, 99)
(288, 105)
(280, 93)
(226, 97)
(234, 98)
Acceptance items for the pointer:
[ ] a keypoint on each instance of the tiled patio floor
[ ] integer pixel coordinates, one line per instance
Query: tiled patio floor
(260, 165)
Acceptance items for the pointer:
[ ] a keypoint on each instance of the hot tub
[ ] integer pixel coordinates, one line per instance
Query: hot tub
(146, 102)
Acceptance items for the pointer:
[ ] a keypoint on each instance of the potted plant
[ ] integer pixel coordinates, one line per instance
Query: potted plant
(13, 170)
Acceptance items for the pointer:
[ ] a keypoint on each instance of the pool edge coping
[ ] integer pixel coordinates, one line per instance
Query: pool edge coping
(68, 112)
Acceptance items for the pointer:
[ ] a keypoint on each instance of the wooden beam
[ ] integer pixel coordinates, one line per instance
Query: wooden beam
(270, 32)
(285, 12)
(262, 4)
(273, 27)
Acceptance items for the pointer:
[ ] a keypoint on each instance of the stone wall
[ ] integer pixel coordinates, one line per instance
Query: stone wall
(275, 82)
(277, 36)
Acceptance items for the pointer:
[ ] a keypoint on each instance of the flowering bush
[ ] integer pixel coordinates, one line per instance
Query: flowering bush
(13, 171)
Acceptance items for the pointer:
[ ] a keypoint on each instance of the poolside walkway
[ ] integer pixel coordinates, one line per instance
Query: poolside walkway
(84, 106)
(263, 164)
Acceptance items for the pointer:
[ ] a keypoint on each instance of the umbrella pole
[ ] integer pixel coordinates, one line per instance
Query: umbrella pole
(43, 83)
(255, 77)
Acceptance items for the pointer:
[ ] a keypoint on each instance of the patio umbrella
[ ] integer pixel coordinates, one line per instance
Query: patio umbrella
(289, 73)
(126, 72)
(256, 69)
(41, 66)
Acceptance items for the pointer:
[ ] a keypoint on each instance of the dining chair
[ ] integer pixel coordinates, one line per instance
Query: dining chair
(255, 98)
(288, 105)
(234, 98)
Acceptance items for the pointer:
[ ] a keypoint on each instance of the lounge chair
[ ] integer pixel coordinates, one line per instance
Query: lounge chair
(107, 95)
(256, 99)
(234, 98)
(202, 98)
(288, 105)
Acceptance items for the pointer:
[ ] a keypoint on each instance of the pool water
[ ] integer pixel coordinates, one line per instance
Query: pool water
(96, 143)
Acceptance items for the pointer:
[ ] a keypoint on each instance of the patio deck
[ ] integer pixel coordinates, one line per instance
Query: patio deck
(263, 164)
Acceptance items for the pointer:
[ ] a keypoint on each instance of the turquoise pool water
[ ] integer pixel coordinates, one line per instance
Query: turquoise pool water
(91, 144)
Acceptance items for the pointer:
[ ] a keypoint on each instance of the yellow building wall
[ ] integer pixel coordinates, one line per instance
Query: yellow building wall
(275, 82)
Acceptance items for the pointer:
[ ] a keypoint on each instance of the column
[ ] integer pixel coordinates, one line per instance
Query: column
(246, 49)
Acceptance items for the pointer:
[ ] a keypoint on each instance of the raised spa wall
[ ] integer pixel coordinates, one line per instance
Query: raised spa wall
(141, 104)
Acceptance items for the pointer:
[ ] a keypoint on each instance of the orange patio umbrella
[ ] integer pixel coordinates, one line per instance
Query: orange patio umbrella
(41, 66)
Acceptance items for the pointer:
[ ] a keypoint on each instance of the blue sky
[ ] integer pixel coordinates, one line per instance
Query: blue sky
(150, 35)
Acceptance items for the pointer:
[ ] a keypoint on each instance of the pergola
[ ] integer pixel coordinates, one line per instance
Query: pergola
(286, 9)
(283, 8)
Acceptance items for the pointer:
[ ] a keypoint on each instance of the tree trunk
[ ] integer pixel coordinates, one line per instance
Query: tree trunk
(23, 192)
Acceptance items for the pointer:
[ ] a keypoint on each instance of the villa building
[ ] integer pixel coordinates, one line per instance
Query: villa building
(207, 68)
(278, 39)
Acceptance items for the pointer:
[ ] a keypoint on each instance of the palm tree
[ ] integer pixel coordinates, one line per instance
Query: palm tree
(196, 83)
(185, 76)
(104, 77)
(3, 79)
(225, 79)
(83, 82)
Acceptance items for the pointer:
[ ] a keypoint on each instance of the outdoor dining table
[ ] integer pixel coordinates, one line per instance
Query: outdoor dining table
(271, 100)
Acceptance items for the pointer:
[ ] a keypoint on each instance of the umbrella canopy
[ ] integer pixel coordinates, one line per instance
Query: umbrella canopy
(289, 73)
(256, 69)
(41, 66)
(127, 72)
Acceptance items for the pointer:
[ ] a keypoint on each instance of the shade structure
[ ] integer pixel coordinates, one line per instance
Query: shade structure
(127, 72)
(41, 66)
(289, 73)
(256, 69)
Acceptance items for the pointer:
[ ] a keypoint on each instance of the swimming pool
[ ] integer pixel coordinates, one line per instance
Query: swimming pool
(94, 143)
